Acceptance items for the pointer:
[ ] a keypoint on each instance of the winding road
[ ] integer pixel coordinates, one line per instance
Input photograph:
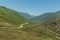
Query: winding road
(22, 25)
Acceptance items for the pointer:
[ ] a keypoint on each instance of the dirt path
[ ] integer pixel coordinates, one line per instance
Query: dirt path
(22, 25)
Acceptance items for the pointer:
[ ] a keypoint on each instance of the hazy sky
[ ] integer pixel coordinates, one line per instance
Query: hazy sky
(33, 7)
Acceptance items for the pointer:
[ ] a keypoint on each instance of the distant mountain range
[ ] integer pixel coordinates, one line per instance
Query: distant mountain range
(46, 17)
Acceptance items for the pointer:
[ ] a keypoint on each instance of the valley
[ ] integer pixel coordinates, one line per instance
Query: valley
(21, 26)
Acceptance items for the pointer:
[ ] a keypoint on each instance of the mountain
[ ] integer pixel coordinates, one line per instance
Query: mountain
(46, 17)
(26, 15)
(49, 30)
(9, 17)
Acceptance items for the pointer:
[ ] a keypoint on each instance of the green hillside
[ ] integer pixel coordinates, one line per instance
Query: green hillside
(10, 17)
(46, 31)
(36, 32)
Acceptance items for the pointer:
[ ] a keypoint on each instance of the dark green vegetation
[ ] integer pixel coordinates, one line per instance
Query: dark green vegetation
(48, 27)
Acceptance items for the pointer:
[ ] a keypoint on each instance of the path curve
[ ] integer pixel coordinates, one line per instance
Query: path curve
(22, 25)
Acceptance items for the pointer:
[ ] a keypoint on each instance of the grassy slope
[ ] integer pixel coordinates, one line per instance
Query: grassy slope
(10, 16)
(36, 32)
